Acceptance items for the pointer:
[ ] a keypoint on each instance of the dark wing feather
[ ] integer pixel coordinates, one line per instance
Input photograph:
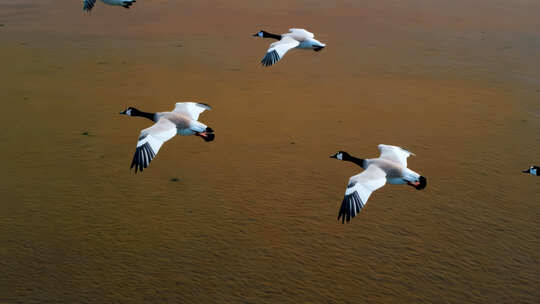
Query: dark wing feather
(150, 141)
(127, 4)
(350, 207)
(142, 157)
(270, 58)
(88, 5)
(358, 191)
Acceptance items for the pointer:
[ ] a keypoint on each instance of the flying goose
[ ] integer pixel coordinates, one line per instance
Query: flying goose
(89, 4)
(533, 170)
(295, 38)
(391, 167)
(182, 120)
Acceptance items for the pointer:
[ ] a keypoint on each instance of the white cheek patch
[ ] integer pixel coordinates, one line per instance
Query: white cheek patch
(340, 156)
(128, 112)
(260, 34)
(533, 171)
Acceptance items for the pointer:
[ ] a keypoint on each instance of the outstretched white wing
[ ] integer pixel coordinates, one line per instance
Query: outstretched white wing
(88, 5)
(191, 109)
(278, 49)
(395, 154)
(300, 34)
(358, 191)
(150, 140)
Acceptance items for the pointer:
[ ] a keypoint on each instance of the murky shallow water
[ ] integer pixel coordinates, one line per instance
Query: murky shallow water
(253, 215)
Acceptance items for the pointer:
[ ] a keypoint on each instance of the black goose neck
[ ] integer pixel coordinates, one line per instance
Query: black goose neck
(270, 35)
(352, 159)
(136, 112)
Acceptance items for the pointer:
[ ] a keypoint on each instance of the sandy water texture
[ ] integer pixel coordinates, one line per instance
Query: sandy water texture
(252, 218)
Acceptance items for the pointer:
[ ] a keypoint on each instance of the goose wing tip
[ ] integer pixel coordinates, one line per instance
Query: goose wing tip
(351, 205)
(142, 157)
(204, 105)
(270, 58)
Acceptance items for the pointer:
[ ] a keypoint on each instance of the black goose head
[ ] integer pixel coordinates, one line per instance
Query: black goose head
(130, 111)
(341, 155)
(260, 33)
(265, 34)
(534, 170)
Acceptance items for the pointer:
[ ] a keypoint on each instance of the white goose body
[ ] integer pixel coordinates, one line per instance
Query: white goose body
(296, 38)
(89, 4)
(183, 120)
(396, 174)
(310, 44)
(390, 167)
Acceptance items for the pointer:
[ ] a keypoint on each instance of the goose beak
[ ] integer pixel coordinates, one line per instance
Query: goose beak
(123, 112)
(333, 156)
(525, 171)
(256, 35)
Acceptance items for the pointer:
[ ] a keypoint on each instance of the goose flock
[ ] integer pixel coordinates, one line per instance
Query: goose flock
(390, 167)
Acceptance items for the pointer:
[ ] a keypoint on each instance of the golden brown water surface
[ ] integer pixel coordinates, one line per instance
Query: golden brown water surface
(252, 218)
